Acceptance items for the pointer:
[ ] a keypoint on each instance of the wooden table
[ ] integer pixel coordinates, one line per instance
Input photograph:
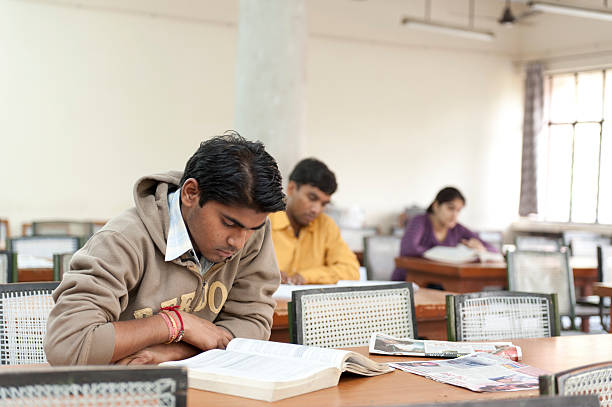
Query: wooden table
(604, 290)
(429, 308)
(473, 277)
(551, 354)
(36, 274)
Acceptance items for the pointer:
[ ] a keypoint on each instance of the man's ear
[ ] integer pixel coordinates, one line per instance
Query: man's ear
(190, 193)
(291, 188)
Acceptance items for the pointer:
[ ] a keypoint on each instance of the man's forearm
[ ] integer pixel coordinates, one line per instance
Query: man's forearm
(135, 335)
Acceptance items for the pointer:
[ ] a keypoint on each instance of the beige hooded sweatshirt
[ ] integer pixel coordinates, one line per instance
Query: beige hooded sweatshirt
(120, 274)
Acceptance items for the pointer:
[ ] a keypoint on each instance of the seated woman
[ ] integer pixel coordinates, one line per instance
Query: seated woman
(438, 227)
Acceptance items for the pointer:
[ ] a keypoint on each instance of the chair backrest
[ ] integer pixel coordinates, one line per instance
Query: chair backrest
(8, 267)
(494, 237)
(584, 244)
(537, 243)
(61, 264)
(595, 379)
(62, 228)
(604, 263)
(4, 233)
(543, 272)
(38, 251)
(24, 309)
(354, 237)
(379, 253)
(94, 386)
(494, 315)
(339, 317)
(543, 401)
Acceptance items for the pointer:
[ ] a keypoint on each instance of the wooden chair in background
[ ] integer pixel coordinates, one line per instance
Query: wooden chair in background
(339, 317)
(8, 267)
(548, 272)
(379, 253)
(495, 315)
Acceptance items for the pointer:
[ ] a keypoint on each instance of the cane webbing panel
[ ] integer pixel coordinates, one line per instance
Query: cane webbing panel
(137, 393)
(23, 324)
(348, 318)
(545, 273)
(593, 381)
(492, 318)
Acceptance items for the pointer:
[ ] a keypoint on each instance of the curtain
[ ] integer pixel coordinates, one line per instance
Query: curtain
(532, 124)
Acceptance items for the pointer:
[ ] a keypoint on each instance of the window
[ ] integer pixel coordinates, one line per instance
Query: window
(576, 149)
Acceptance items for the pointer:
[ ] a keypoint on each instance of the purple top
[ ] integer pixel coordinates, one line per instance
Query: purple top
(419, 237)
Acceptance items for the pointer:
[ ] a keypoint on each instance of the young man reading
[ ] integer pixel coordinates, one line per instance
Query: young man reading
(307, 242)
(187, 269)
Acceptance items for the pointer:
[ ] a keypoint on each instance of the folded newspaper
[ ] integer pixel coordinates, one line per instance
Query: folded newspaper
(388, 345)
(482, 372)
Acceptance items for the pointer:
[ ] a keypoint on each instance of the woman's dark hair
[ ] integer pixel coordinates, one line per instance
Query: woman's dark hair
(236, 172)
(313, 172)
(446, 194)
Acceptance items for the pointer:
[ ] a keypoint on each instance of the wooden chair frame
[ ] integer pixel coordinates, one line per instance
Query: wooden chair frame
(296, 332)
(453, 315)
(87, 377)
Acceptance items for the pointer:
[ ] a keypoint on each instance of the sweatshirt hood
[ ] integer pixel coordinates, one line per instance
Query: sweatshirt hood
(151, 199)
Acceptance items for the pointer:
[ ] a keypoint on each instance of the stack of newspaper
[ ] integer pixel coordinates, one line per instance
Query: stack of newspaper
(486, 366)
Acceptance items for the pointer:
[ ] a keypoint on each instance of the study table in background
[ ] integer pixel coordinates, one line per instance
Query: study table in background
(551, 354)
(429, 308)
(473, 277)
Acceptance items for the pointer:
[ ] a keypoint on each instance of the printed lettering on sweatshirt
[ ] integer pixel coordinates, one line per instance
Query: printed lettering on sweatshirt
(213, 297)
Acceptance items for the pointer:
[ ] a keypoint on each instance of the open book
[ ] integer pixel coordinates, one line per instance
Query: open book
(272, 371)
(461, 254)
(389, 345)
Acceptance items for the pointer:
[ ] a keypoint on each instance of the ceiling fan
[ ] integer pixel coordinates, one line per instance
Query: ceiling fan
(508, 18)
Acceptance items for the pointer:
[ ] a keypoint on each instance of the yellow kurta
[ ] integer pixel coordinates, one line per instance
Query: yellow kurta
(319, 253)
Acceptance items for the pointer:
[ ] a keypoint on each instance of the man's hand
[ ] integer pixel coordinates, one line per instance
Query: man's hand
(156, 354)
(296, 279)
(284, 277)
(204, 334)
(475, 244)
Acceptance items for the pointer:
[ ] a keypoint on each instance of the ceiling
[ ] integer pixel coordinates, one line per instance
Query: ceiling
(378, 22)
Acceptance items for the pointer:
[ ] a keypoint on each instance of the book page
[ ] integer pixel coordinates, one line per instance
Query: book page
(333, 357)
(250, 366)
(341, 359)
(458, 254)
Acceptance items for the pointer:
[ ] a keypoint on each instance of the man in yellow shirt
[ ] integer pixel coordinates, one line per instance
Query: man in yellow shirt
(307, 242)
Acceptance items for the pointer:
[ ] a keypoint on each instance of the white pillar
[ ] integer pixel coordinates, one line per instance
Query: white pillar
(270, 77)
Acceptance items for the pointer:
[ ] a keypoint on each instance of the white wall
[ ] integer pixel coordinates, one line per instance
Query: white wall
(91, 100)
(94, 97)
(396, 124)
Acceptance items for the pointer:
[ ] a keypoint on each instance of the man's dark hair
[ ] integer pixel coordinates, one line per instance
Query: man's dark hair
(313, 172)
(446, 194)
(236, 172)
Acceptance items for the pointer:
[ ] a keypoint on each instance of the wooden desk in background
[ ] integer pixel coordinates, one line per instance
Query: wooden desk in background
(33, 275)
(473, 277)
(429, 308)
(551, 354)
(604, 290)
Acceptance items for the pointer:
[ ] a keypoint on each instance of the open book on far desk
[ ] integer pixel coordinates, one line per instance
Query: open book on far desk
(273, 371)
(461, 254)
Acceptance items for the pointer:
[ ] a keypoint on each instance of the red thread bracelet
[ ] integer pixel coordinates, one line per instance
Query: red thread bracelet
(181, 331)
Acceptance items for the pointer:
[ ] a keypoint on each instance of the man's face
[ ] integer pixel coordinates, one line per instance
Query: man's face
(305, 203)
(216, 230)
